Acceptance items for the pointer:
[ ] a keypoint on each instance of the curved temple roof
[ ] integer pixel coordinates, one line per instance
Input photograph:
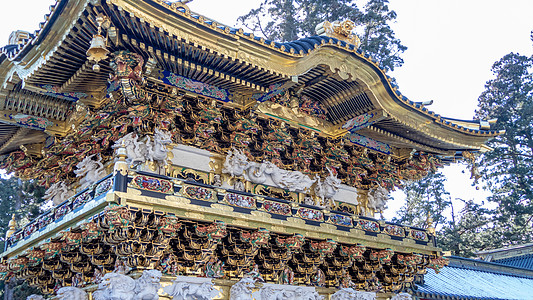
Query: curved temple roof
(346, 82)
(473, 279)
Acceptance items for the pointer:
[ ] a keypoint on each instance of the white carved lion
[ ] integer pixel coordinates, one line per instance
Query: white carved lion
(402, 296)
(242, 290)
(115, 286)
(377, 199)
(351, 294)
(157, 150)
(71, 293)
(90, 170)
(276, 294)
(180, 290)
(58, 193)
(147, 285)
(35, 297)
(136, 150)
(307, 294)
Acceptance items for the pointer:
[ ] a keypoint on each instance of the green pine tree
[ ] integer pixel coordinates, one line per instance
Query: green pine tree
(468, 232)
(426, 198)
(24, 199)
(288, 20)
(508, 170)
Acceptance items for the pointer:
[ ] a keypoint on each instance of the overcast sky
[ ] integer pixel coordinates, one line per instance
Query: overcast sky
(452, 45)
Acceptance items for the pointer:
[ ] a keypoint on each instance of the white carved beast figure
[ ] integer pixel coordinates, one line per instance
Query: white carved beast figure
(402, 296)
(351, 294)
(35, 297)
(243, 289)
(147, 285)
(90, 170)
(71, 293)
(115, 286)
(58, 193)
(136, 150)
(181, 290)
(157, 150)
(378, 198)
(277, 294)
(328, 188)
(306, 294)
(293, 181)
(236, 163)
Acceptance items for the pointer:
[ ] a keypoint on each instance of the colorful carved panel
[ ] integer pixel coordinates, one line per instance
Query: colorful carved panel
(310, 214)
(368, 225)
(240, 200)
(194, 86)
(198, 193)
(152, 184)
(277, 208)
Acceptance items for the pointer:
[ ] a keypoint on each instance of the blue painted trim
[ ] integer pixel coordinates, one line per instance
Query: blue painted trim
(369, 143)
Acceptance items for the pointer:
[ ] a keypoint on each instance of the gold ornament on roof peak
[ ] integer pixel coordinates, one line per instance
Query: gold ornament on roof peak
(340, 30)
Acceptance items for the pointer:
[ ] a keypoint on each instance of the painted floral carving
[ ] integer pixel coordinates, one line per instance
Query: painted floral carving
(368, 143)
(81, 199)
(240, 200)
(277, 208)
(32, 122)
(368, 225)
(341, 220)
(103, 187)
(195, 86)
(358, 122)
(394, 230)
(310, 214)
(199, 193)
(418, 235)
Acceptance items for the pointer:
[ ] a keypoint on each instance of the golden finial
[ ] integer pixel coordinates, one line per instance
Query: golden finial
(12, 225)
(430, 228)
(340, 30)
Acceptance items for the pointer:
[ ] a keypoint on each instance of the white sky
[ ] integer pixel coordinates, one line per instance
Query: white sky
(452, 45)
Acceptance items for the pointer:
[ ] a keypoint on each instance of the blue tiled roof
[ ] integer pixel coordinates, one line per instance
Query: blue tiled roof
(523, 261)
(455, 282)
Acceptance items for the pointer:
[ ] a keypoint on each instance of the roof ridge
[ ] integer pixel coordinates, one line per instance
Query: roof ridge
(489, 267)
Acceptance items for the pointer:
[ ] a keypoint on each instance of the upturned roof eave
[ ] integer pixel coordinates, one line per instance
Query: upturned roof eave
(247, 49)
